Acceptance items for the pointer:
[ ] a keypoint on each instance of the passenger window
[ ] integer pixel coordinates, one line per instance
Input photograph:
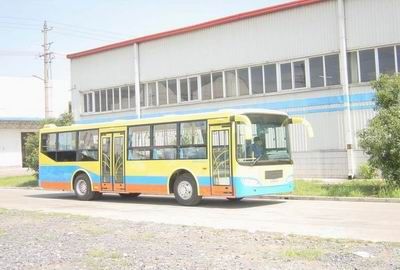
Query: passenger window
(193, 140)
(66, 150)
(139, 143)
(88, 144)
(164, 141)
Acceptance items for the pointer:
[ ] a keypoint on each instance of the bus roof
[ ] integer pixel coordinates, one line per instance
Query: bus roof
(162, 119)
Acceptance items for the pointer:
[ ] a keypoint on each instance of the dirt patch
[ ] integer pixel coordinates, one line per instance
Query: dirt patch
(33, 240)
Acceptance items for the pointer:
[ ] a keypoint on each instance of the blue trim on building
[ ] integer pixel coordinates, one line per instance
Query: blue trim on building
(279, 105)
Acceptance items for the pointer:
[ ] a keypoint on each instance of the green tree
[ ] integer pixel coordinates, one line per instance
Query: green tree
(381, 139)
(32, 141)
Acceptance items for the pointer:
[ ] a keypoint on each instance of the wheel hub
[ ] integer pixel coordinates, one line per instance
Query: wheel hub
(185, 190)
(81, 187)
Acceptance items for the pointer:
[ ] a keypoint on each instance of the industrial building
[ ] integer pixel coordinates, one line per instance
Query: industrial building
(310, 58)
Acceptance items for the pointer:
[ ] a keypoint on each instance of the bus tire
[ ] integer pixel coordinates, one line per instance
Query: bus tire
(83, 188)
(185, 190)
(129, 195)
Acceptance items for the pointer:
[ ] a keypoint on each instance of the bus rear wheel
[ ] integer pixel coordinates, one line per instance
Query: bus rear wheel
(185, 190)
(129, 195)
(83, 188)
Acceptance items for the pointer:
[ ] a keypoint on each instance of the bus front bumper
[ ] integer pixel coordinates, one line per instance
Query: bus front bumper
(245, 188)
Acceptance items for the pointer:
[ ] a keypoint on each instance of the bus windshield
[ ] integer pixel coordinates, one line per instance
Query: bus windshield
(269, 143)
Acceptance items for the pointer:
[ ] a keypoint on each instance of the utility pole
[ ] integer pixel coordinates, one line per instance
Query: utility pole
(47, 57)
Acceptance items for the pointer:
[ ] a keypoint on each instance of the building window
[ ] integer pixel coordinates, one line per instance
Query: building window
(194, 89)
(299, 74)
(132, 94)
(332, 69)
(116, 99)
(103, 99)
(139, 143)
(352, 67)
(205, 86)
(142, 95)
(270, 78)
(230, 83)
(398, 58)
(124, 98)
(243, 81)
(88, 144)
(286, 76)
(386, 60)
(109, 100)
(217, 85)
(193, 140)
(162, 92)
(152, 94)
(97, 101)
(317, 72)
(257, 86)
(183, 83)
(85, 102)
(164, 141)
(172, 92)
(367, 65)
(90, 102)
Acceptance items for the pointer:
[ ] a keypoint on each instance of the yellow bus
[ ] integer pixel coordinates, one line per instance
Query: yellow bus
(232, 153)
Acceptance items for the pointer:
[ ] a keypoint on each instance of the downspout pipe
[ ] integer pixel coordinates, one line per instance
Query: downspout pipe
(345, 88)
(137, 79)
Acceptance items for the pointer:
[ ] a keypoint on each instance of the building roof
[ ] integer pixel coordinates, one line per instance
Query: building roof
(208, 24)
(20, 124)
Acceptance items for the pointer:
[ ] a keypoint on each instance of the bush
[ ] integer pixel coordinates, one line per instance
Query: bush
(381, 139)
(32, 141)
(366, 171)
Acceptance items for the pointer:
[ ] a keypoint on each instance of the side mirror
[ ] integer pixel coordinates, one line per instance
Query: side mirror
(304, 122)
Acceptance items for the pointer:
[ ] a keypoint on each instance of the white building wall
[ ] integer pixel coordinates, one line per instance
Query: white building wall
(298, 32)
(371, 23)
(10, 147)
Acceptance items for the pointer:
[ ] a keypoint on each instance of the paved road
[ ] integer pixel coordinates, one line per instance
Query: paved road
(353, 220)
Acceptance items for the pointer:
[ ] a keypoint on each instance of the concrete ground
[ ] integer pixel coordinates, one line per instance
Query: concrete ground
(349, 220)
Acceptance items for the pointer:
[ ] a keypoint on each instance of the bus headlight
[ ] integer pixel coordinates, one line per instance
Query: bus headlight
(250, 182)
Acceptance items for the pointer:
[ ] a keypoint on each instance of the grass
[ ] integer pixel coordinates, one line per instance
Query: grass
(19, 181)
(310, 254)
(353, 188)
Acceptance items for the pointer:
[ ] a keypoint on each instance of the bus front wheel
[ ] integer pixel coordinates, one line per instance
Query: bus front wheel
(83, 188)
(185, 190)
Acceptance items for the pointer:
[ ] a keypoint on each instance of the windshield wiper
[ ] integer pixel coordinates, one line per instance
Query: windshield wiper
(257, 159)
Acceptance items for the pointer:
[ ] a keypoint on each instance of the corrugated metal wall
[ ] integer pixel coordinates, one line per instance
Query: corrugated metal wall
(111, 68)
(371, 23)
(284, 35)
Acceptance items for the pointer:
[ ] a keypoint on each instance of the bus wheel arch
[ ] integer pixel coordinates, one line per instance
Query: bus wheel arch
(174, 177)
(85, 194)
(185, 188)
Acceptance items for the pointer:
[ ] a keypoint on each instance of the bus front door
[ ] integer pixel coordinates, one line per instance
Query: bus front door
(113, 161)
(221, 170)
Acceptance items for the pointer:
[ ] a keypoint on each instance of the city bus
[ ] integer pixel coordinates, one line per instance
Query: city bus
(232, 154)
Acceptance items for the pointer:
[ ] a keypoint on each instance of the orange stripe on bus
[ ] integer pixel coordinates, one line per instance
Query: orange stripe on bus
(56, 185)
(148, 189)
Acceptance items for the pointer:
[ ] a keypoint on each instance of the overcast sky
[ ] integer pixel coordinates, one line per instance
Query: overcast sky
(80, 25)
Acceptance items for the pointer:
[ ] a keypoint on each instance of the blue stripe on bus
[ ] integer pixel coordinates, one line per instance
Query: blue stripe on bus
(60, 173)
(278, 105)
(63, 173)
